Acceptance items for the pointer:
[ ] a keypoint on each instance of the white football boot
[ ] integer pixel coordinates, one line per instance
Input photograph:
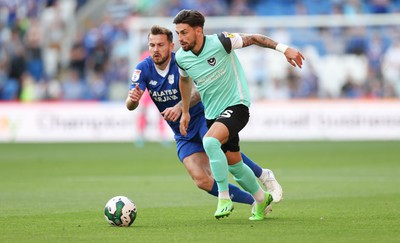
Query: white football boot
(267, 178)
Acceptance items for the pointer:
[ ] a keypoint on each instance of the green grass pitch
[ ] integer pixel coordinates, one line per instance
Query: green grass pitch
(333, 192)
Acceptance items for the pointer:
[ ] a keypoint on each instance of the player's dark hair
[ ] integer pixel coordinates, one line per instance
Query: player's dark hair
(191, 17)
(159, 30)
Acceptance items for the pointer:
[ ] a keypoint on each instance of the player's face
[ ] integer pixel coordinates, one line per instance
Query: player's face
(160, 49)
(186, 36)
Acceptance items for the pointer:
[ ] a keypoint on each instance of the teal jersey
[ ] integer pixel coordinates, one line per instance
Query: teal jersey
(216, 73)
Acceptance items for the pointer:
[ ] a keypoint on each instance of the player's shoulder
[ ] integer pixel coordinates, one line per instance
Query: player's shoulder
(145, 66)
(179, 55)
(179, 52)
(145, 63)
(142, 69)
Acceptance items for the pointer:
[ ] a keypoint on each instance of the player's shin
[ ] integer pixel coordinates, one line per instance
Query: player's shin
(257, 170)
(218, 164)
(246, 179)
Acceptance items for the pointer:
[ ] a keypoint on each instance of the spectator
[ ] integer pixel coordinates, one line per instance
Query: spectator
(78, 58)
(350, 89)
(380, 6)
(33, 43)
(73, 88)
(376, 50)
(356, 43)
(391, 67)
(17, 67)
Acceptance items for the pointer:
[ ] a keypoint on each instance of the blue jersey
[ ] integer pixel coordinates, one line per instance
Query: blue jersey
(164, 91)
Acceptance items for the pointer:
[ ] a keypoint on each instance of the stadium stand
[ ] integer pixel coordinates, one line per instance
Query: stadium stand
(65, 50)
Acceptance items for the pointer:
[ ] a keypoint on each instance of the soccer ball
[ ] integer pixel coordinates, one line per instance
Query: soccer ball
(120, 211)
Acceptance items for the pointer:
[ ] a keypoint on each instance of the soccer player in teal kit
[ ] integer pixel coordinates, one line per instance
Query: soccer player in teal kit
(210, 61)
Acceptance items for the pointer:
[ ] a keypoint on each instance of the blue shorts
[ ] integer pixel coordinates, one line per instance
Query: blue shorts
(188, 146)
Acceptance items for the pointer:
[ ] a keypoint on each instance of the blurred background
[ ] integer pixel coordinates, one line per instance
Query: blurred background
(86, 50)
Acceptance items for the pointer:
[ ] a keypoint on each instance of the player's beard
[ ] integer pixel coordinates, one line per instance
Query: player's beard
(188, 46)
(160, 60)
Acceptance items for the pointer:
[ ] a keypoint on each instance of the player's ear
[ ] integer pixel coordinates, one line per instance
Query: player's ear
(198, 30)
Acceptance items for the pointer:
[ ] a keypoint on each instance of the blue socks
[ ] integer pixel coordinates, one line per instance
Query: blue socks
(237, 195)
(253, 166)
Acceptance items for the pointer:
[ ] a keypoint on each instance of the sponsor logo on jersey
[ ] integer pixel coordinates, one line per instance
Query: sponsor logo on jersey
(136, 75)
(212, 61)
(153, 82)
(164, 95)
(228, 35)
(171, 78)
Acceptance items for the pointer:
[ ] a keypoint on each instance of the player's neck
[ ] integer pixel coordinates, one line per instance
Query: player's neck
(199, 45)
(164, 65)
(163, 69)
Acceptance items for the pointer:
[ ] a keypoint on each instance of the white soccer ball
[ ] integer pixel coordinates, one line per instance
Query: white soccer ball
(120, 211)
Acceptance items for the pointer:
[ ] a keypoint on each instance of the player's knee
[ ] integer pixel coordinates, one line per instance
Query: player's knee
(204, 183)
(211, 144)
(236, 168)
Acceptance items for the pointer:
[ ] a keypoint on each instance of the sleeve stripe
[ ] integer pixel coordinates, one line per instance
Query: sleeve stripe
(226, 42)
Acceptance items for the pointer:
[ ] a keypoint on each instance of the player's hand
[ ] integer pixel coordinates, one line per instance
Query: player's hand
(184, 123)
(172, 113)
(135, 94)
(294, 57)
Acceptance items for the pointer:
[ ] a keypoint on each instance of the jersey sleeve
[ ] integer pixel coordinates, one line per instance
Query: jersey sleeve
(139, 77)
(230, 41)
(182, 72)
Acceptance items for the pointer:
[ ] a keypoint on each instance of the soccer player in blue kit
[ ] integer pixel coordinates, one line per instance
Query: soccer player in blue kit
(210, 62)
(159, 74)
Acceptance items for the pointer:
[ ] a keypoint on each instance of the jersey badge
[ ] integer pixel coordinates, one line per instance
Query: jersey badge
(212, 61)
(171, 79)
(136, 75)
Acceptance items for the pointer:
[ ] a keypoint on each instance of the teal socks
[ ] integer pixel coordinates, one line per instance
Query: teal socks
(245, 177)
(218, 162)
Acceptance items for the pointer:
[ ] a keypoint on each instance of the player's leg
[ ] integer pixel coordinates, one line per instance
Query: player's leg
(267, 178)
(198, 167)
(243, 175)
(247, 180)
(216, 135)
(226, 129)
(257, 170)
(234, 123)
(196, 162)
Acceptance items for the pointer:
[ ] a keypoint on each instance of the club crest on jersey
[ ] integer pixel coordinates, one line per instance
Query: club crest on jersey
(171, 79)
(136, 75)
(212, 61)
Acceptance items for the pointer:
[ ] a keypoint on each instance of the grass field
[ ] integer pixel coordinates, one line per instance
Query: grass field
(334, 192)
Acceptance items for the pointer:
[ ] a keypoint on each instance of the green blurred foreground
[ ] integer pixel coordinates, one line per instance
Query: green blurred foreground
(333, 192)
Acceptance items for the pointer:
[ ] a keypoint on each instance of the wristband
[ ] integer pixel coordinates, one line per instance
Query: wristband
(281, 47)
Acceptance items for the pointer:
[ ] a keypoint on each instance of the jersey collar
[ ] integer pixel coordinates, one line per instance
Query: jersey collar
(202, 47)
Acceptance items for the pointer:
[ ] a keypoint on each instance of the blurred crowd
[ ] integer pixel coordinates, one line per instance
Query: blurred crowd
(48, 53)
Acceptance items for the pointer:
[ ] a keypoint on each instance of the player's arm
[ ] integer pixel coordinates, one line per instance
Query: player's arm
(293, 56)
(185, 87)
(134, 95)
(173, 113)
(195, 97)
